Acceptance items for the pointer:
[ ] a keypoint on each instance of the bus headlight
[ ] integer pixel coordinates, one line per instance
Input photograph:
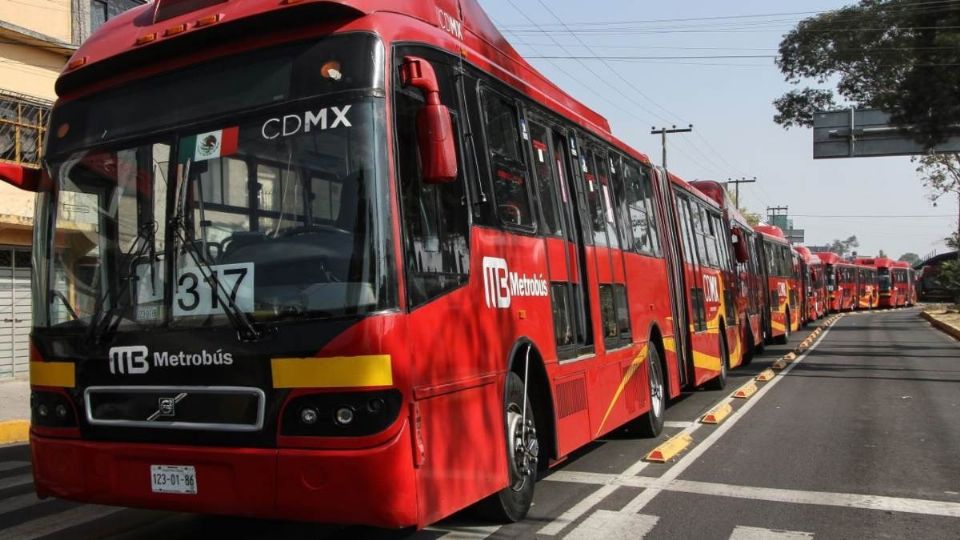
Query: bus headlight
(341, 414)
(344, 416)
(51, 409)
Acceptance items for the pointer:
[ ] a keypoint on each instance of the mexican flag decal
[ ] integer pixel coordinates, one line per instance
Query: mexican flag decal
(211, 145)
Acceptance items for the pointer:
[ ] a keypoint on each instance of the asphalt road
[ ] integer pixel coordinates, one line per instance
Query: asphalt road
(860, 438)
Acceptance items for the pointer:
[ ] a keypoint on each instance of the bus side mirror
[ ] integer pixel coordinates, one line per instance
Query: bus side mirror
(438, 153)
(25, 178)
(740, 246)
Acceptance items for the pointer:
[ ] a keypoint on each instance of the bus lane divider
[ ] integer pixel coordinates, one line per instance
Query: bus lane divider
(610, 483)
(670, 449)
(745, 391)
(765, 375)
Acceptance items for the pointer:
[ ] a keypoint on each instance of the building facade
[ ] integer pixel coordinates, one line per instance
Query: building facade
(37, 38)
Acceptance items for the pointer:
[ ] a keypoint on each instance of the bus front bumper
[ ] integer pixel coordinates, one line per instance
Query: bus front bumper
(373, 486)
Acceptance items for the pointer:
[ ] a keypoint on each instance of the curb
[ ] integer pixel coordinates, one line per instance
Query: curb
(14, 431)
(940, 325)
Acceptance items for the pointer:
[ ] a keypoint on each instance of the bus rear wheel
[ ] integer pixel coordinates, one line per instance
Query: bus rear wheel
(782, 340)
(720, 381)
(651, 424)
(511, 504)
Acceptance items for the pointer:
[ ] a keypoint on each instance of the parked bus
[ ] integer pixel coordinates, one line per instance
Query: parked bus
(868, 286)
(905, 283)
(886, 291)
(841, 278)
(814, 285)
(748, 280)
(351, 262)
(782, 283)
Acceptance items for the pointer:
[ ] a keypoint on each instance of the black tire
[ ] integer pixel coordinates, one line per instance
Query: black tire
(720, 382)
(651, 424)
(511, 504)
(782, 340)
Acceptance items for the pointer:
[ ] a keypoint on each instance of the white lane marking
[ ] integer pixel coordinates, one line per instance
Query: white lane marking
(759, 533)
(60, 521)
(792, 496)
(573, 513)
(12, 504)
(607, 524)
(10, 465)
(641, 500)
(466, 532)
(14, 481)
(587, 503)
(677, 424)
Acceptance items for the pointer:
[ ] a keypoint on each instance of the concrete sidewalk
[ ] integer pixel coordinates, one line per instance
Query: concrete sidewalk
(14, 411)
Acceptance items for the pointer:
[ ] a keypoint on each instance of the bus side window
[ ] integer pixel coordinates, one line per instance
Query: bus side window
(436, 239)
(507, 167)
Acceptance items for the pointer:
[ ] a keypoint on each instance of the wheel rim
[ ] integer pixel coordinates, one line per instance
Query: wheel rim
(656, 390)
(523, 446)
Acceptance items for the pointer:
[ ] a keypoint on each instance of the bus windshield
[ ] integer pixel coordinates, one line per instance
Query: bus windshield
(274, 210)
(884, 280)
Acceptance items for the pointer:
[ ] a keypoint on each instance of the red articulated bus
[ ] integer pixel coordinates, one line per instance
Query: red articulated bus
(841, 278)
(887, 293)
(748, 279)
(352, 262)
(782, 283)
(904, 284)
(814, 285)
(868, 285)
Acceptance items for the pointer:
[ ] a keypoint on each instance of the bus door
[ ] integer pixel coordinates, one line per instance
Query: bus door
(674, 255)
(564, 231)
(691, 228)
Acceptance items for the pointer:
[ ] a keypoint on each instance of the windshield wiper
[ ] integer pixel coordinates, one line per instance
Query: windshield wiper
(247, 331)
(101, 322)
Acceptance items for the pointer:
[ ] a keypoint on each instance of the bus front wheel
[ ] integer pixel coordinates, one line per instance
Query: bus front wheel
(651, 424)
(512, 503)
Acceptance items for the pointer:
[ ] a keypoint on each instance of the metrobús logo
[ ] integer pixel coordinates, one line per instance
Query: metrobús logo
(500, 285)
(137, 360)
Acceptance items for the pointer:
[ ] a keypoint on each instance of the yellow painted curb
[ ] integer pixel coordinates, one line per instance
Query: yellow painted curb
(14, 431)
(765, 375)
(746, 391)
(717, 414)
(779, 364)
(668, 450)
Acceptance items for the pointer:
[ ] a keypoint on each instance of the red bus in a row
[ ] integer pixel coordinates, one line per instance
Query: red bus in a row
(868, 286)
(895, 281)
(781, 269)
(841, 277)
(290, 253)
(814, 285)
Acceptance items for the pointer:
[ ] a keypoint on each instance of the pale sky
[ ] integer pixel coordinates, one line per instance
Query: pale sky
(729, 102)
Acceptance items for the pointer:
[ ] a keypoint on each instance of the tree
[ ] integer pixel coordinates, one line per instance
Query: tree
(752, 218)
(895, 55)
(949, 278)
(912, 258)
(941, 175)
(844, 247)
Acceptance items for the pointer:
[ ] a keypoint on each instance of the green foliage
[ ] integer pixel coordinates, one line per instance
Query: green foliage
(752, 218)
(949, 277)
(844, 247)
(941, 173)
(911, 258)
(895, 55)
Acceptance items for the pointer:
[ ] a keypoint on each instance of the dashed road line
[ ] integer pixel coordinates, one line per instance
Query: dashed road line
(16, 481)
(759, 533)
(11, 465)
(466, 533)
(60, 521)
(677, 424)
(19, 502)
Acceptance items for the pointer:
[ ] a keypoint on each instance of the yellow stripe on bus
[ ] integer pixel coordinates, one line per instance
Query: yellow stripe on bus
(59, 374)
(670, 344)
(634, 366)
(706, 361)
(332, 372)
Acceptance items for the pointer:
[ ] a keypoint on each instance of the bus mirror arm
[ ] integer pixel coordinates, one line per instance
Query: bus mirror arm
(438, 153)
(740, 247)
(24, 178)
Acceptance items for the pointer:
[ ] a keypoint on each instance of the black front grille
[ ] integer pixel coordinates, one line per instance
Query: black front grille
(176, 407)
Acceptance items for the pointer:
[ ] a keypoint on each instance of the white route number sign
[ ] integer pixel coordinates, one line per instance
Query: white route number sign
(196, 296)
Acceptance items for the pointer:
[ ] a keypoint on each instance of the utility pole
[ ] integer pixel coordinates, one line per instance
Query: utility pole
(663, 132)
(737, 184)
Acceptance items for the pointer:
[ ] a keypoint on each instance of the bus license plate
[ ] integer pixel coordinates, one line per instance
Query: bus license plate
(173, 479)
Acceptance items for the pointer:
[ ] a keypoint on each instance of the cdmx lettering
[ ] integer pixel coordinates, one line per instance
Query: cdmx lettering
(292, 124)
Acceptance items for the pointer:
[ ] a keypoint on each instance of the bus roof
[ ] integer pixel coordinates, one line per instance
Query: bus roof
(876, 262)
(141, 39)
(772, 232)
(718, 193)
(807, 255)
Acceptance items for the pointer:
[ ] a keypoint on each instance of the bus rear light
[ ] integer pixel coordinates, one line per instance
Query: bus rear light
(174, 30)
(77, 62)
(146, 38)
(208, 20)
